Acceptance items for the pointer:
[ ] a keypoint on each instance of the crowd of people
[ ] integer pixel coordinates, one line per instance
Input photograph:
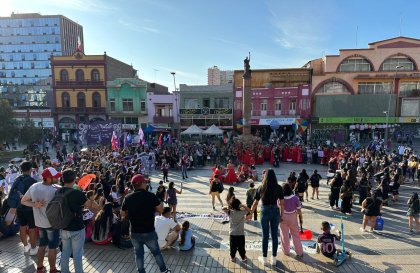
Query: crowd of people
(105, 210)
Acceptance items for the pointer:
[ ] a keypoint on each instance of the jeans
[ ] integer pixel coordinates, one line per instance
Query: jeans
(73, 242)
(270, 219)
(184, 171)
(151, 241)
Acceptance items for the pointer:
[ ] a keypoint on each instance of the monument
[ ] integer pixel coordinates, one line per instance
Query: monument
(246, 98)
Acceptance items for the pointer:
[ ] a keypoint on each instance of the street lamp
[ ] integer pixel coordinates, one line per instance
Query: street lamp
(389, 104)
(176, 103)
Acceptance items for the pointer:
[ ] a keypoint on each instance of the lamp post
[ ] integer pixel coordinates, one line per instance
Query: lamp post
(389, 104)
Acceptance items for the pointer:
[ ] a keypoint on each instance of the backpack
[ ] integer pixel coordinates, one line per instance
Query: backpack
(58, 210)
(19, 188)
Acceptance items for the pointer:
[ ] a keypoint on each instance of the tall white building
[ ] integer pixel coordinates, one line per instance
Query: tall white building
(215, 76)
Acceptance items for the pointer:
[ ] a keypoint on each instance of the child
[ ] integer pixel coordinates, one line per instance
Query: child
(237, 213)
(114, 194)
(326, 241)
(161, 192)
(187, 241)
(230, 195)
(250, 196)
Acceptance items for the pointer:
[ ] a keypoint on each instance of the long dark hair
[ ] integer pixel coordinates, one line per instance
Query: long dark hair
(102, 220)
(185, 227)
(414, 198)
(287, 189)
(269, 184)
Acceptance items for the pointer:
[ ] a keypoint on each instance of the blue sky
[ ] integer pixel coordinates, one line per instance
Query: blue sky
(188, 36)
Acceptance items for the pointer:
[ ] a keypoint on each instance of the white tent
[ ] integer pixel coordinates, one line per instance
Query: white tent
(213, 130)
(192, 130)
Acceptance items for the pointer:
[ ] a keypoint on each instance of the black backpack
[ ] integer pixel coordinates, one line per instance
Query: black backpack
(58, 210)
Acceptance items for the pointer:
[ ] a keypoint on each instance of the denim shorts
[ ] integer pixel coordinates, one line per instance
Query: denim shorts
(49, 237)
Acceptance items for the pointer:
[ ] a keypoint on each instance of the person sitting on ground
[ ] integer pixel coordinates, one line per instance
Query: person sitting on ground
(102, 227)
(166, 229)
(187, 240)
(326, 241)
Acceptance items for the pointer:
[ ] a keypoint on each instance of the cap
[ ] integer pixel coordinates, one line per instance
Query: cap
(137, 179)
(50, 173)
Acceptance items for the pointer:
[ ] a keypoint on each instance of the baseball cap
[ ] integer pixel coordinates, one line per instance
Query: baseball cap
(137, 179)
(50, 173)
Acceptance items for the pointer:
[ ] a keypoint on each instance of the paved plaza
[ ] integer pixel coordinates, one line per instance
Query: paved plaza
(393, 250)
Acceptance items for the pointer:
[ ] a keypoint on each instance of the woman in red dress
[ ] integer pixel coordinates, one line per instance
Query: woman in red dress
(246, 157)
(219, 171)
(267, 153)
(285, 153)
(231, 176)
(294, 153)
(252, 160)
(260, 156)
(243, 173)
(299, 155)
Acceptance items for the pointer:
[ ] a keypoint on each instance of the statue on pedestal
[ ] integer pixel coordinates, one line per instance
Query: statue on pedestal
(247, 69)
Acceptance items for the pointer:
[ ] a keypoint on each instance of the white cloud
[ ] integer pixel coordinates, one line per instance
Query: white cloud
(138, 27)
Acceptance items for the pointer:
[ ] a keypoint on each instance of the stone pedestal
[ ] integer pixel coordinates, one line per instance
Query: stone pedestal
(246, 105)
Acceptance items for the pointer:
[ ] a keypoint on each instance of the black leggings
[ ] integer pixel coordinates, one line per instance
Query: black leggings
(237, 243)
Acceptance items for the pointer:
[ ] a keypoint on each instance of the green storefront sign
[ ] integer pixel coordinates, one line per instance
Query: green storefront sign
(359, 120)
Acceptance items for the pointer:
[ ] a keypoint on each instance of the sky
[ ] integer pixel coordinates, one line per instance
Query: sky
(188, 36)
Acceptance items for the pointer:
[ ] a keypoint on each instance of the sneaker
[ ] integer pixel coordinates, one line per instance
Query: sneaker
(40, 270)
(26, 248)
(332, 207)
(244, 259)
(273, 260)
(55, 270)
(263, 260)
(362, 229)
(33, 251)
(167, 271)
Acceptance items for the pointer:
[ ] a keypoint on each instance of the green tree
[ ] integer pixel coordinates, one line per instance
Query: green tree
(29, 133)
(8, 126)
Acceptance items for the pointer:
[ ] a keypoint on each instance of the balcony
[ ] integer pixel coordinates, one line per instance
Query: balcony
(273, 113)
(159, 119)
(79, 84)
(80, 110)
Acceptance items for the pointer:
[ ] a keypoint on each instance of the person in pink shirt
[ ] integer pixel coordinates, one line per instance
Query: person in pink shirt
(289, 224)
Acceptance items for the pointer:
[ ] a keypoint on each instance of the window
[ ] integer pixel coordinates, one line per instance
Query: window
(238, 105)
(206, 103)
(96, 100)
(81, 101)
(355, 64)
(143, 106)
(278, 105)
(80, 75)
(128, 105)
(409, 88)
(390, 64)
(191, 103)
(221, 103)
(95, 75)
(131, 120)
(374, 87)
(333, 88)
(65, 100)
(292, 105)
(263, 105)
(64, 75)
(112, 105)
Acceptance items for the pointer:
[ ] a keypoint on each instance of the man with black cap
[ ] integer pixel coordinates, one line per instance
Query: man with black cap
(142, 224)
(38, 196)
(25, 215)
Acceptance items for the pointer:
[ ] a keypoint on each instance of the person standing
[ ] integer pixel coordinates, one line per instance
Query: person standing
(216, 187)
(38, 196)
(270, 193)
(165, 170)
(24, 214)
(413, 212)
(371, 208)
(184, 165)
(142, 224)
(171, 198)
(73, 236)
(335, 185)
(346, 195)
(289, 224)
(315, 178)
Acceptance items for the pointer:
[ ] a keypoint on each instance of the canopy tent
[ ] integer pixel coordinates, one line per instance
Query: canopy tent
(149, 129)
(192, 130)
(213, 130)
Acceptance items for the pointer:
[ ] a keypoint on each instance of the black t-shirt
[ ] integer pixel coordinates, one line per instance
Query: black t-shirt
(141, 206)
(270, 196)
(76, 200)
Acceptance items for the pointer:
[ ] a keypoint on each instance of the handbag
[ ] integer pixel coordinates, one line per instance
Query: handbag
(340, 202)
(379, 223)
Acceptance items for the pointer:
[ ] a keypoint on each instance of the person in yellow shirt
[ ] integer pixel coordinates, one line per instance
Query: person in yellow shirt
(412, 166)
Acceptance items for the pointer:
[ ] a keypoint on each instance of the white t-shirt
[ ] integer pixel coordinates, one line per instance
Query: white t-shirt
(401, 150)
(162, 226)
(41, 192)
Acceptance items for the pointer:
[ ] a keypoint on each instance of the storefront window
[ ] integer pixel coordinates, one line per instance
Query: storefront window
(374, 87)
(333, 88)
